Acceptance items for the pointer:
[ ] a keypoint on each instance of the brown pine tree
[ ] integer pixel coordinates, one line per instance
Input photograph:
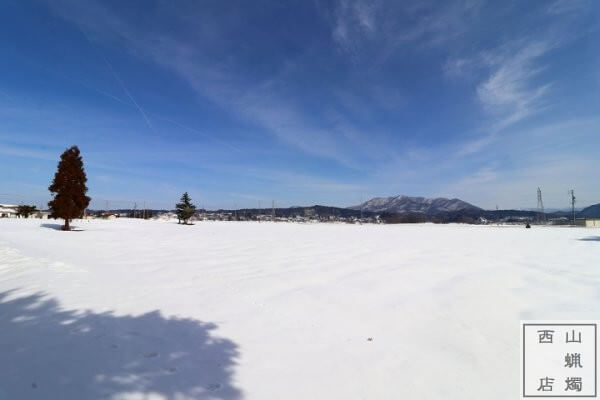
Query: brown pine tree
(68, 188)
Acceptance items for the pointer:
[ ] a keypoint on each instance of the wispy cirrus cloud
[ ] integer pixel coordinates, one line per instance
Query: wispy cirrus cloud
(352, 21)
(513, 80)
(388, 25)
(26, 152)
(559, 7)
(516, 187)
(265, 102)
(530, 157)
(509, 90)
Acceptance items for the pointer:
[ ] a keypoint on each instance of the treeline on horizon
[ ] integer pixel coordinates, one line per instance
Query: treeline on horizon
(324, 212)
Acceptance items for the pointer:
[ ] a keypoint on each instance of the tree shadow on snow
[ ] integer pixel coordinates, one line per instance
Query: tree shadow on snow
(51, 353)
(590, 239)
(58, 227)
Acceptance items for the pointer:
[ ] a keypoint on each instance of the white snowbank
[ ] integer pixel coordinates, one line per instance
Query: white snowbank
(133, 309)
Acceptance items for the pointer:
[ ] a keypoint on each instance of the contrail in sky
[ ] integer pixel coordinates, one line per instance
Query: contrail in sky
(135, 103)
(141, 110)
(118, 79)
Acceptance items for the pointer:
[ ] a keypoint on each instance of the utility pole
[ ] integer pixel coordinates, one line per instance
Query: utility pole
(273, 210)
(144, 210)
(134, 209)
(572, 193)
(540, 206)
(361, 207)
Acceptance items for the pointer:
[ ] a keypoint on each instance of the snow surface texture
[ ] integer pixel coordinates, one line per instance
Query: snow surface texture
(133, 309)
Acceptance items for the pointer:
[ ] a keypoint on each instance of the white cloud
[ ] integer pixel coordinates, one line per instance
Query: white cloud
(352, 21)
(516, 188)
(265, 103)
(550, 156)
(388, 25)
(559, 7)
(475, 145)
(26, 152)
(457, 67)
(509, 90)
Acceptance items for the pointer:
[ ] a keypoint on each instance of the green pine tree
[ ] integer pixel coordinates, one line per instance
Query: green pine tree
(185, 209)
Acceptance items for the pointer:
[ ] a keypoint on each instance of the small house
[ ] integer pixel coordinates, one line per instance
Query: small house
(8, 211)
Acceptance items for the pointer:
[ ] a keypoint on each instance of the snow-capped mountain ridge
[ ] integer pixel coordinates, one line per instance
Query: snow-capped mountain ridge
(408, 204)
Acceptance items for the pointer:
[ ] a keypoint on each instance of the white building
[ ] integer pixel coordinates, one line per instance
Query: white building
(592, 222)
(588, 222)
(8, 211)
(41, 214)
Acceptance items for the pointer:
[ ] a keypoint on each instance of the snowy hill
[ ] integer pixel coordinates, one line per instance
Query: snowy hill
(407, 204)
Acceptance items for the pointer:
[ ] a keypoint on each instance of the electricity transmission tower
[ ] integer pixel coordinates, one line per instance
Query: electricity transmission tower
(572, 193)
(540, 207)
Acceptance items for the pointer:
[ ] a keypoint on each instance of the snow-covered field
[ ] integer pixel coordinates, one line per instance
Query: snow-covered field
(132, 309)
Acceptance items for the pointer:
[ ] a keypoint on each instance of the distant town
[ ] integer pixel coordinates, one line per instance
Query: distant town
(589, 216)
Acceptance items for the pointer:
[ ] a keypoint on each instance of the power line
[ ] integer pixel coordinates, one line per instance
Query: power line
(361, 208)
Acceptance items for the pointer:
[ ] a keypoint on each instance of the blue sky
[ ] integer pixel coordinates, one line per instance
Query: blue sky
(303, 102)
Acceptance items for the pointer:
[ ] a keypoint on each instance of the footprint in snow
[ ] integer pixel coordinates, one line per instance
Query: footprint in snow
(151, 354)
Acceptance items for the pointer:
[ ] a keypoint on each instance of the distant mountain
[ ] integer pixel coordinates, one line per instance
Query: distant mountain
(552, 210)
(591, 211)
(422, 205)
